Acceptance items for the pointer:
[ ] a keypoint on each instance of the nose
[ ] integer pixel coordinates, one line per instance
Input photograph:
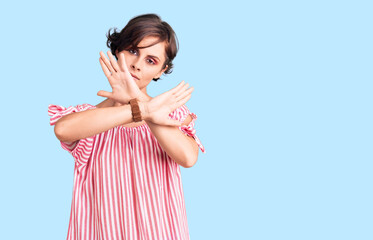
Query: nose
(135, 65)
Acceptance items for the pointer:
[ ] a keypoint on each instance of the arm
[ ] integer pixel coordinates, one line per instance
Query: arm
(180, 147)
(106, 103)
(85, 124)
(109, 103)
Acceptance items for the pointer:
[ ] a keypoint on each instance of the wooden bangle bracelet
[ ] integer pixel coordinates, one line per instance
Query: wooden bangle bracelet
(136, 113)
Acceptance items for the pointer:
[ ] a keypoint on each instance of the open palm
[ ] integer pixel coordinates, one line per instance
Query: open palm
(124, 88)
(159, 108)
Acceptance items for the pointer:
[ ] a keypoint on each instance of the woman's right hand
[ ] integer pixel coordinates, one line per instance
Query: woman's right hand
(157, 110)
(124, 88)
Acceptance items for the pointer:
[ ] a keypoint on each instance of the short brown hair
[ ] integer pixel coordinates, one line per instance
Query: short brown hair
(140, 27)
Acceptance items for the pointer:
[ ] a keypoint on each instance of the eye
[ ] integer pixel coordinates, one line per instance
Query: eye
(133, 51)
(151, 61)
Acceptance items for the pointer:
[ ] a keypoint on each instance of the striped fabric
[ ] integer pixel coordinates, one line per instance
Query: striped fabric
(125, 185)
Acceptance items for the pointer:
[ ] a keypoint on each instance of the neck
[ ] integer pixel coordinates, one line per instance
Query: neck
(143, 90)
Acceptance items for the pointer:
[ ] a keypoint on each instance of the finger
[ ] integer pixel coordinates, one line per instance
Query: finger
(175, 89)
(103, 93)
(113, 61)
(107, 62)
(181, 90)
(123, 66)
(184, 100)
(184, 94)
(104, 68)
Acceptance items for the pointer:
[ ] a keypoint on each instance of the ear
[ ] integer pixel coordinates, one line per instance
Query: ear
(161, 72)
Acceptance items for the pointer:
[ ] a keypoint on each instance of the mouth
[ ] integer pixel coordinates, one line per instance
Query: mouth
(134, 76)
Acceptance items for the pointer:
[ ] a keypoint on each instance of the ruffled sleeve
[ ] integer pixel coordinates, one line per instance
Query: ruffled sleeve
(181, 114)
(81, 149)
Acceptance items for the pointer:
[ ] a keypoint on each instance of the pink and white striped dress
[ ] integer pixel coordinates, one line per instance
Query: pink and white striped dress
(125, 185)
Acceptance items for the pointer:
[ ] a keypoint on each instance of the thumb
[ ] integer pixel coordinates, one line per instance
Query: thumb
(103, 93)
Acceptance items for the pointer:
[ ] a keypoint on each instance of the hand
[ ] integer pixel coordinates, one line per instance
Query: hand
(124, 88)
(157, 110)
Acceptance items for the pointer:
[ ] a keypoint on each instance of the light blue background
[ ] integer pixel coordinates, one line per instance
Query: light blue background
(283, 99)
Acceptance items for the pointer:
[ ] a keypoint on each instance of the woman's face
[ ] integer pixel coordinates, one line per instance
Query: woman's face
(144, 64)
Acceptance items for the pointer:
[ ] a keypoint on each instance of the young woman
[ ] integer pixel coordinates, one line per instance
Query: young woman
(128, 148)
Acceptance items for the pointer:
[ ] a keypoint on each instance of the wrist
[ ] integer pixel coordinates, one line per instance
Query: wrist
(143, 97)
(143, 105)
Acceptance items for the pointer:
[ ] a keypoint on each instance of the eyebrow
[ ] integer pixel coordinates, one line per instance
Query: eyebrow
(139, 48)
(154, 57)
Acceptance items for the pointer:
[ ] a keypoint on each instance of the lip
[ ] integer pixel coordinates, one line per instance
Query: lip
(134, 76)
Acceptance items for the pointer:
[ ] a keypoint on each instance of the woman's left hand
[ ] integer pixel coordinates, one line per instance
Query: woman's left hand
(124, 87)
(157, 110)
